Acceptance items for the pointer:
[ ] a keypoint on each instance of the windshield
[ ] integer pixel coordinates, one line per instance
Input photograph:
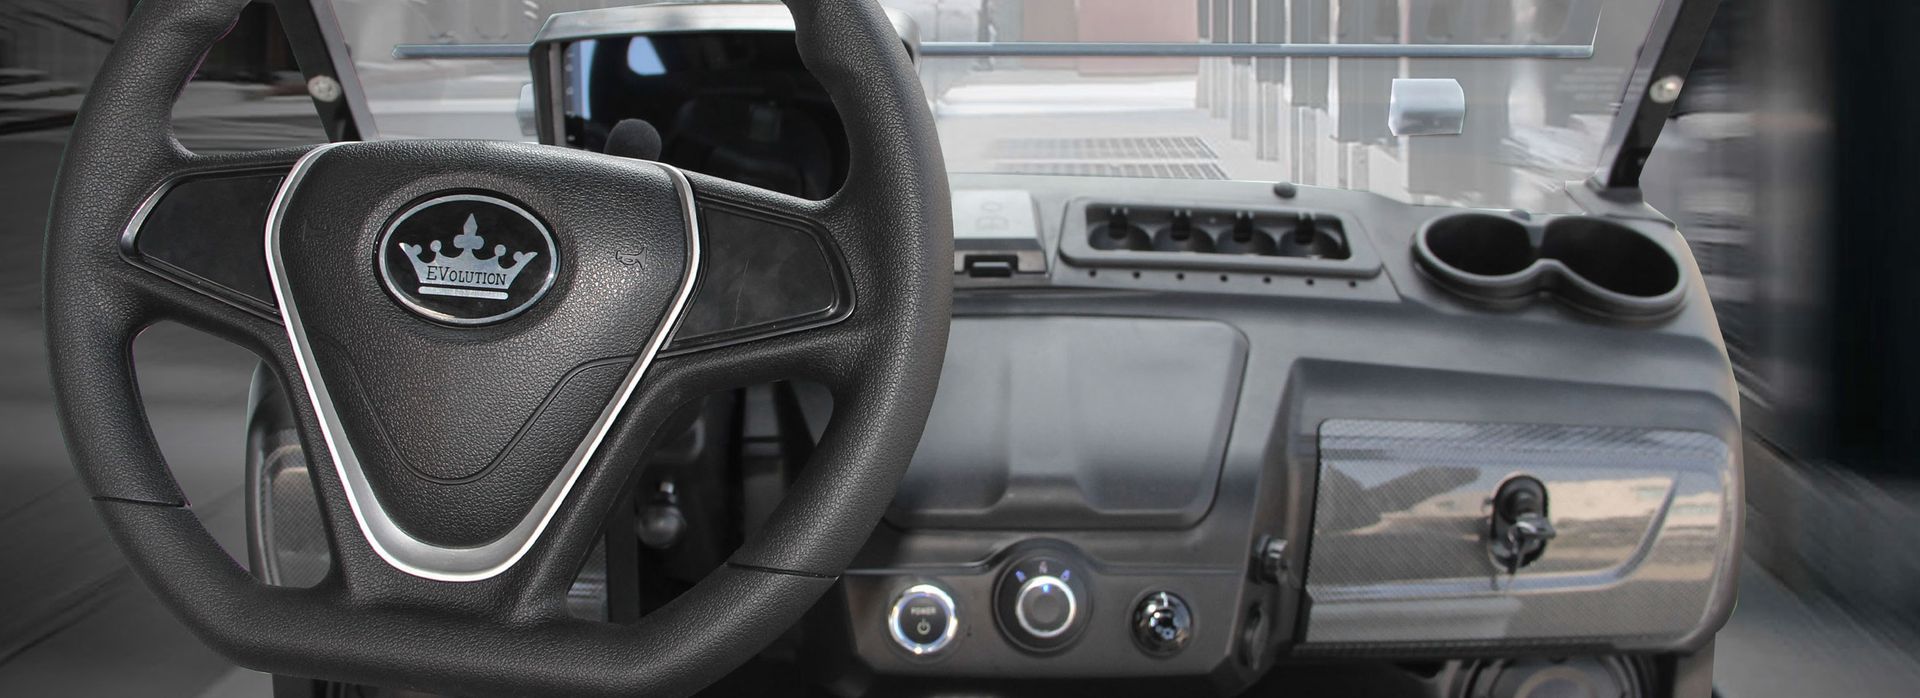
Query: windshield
(1014, 90)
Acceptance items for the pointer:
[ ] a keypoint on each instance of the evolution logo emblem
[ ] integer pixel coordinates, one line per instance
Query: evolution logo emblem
(431, 259)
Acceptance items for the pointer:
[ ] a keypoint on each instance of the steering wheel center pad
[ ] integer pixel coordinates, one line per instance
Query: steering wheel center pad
(458, 430)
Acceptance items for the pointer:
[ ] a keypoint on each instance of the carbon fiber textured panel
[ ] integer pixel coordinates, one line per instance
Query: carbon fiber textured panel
(1399, 555)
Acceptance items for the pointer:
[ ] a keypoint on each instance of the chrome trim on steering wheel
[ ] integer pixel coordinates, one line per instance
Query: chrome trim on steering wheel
(393, 544)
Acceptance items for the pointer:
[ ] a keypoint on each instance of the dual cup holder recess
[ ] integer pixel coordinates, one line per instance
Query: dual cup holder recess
(1600, 266)
(1293, 234)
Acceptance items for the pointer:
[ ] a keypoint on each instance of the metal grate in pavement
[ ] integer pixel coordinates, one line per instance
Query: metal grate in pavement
(1133, 148)
(1145, 170)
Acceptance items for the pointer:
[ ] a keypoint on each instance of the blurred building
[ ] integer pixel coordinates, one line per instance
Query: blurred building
(67, 40)
(50, 49)
(1786, 167)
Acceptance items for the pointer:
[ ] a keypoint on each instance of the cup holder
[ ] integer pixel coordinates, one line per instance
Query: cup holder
(1597, 265)
(1612, 256)
(1480, 245)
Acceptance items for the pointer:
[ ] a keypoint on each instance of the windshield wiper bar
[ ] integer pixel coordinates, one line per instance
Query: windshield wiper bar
(409, 51)
(1128, 50)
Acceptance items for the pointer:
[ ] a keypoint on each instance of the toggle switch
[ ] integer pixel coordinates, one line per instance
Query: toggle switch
(1180, 235)
(1119, 233)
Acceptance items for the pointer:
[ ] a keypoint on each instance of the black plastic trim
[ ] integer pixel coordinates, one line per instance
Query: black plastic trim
(187, 278)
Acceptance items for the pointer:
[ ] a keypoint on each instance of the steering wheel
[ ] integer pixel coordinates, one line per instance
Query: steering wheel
(480, 341)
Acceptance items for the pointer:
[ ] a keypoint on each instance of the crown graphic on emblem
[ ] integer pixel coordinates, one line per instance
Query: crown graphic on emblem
(463, 275)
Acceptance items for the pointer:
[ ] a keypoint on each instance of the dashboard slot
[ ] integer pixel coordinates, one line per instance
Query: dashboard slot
(1246, 238)
(1298, 234)
(1213, 237)
(1118, 232)
(1181, 236)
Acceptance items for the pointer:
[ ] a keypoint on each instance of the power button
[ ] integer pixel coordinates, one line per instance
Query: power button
(923, 620)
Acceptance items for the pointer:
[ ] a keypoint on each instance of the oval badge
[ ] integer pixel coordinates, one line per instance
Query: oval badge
(467, 259)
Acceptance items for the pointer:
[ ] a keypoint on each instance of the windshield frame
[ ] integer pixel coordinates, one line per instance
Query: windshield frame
(319, 47)
(1669, 49)
(1679, 28)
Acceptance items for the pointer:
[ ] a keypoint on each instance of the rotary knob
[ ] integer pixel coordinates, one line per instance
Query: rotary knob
(1162, 624)
(1042, 603)
(1045, 606)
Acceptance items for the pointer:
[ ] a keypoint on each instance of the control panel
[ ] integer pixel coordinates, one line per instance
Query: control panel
(1144, 464)
(1269, 239)
(1304, 234)
(1047, 607)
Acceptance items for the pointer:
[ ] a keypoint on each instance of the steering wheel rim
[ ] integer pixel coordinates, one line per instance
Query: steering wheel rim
(504, 631)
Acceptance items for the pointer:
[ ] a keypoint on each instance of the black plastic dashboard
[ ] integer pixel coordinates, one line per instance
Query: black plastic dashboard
(1309, 452)
(1192, 430)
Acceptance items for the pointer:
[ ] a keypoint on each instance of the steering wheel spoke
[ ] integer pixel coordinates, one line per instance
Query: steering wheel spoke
(771, 264)
(193, 249)
(94, 267)
(200, 228)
